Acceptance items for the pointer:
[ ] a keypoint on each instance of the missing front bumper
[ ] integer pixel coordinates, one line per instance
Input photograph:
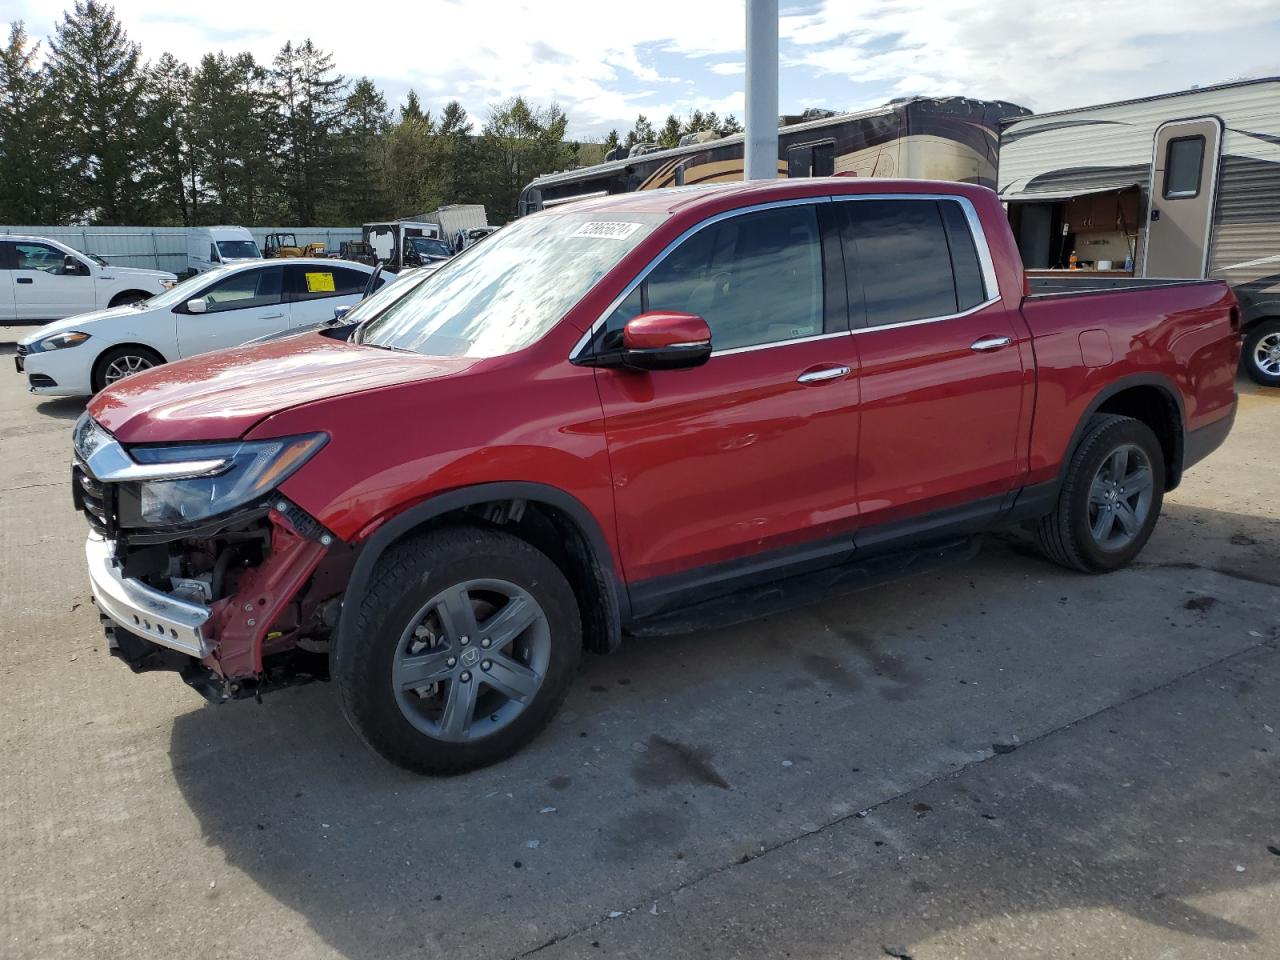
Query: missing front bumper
(160, 617)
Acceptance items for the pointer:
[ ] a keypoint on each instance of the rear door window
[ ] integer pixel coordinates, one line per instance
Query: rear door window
(970, 287)
(311, 282)
(899, 261)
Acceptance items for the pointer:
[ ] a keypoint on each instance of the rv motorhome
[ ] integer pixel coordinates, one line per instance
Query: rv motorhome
(1184, 185)
(923, 138)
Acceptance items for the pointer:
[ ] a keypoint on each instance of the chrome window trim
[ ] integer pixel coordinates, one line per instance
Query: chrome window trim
(989, 282)
(662, 254)
(751, 348)
(915, 323)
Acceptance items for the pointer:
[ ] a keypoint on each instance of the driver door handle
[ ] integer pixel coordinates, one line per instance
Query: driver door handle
(822, 374)
(987, 344)
(271, 316)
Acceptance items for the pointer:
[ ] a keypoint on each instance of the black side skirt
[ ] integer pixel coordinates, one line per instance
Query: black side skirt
(783, 578)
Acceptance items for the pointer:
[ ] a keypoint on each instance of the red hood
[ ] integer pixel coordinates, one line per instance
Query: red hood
(221, 395)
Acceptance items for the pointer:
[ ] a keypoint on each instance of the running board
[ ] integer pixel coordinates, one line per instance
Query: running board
(804, 589)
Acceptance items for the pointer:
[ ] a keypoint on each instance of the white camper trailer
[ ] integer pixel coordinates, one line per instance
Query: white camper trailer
(1184, 185)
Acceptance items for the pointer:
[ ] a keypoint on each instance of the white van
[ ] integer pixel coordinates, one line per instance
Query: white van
(209, 247)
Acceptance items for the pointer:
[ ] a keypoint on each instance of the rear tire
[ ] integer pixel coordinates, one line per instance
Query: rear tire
(1110, 498)
(120, 362)
(1261, 353)
(463, 650)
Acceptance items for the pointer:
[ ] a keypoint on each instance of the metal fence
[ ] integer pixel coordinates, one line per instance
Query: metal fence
(165, 248)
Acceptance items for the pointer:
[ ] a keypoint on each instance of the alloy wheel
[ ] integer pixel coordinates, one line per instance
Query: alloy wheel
(1120, 497)
(1266, 354)
(125, 366)
(471, 660)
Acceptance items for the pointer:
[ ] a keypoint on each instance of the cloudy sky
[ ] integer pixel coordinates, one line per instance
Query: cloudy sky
(604, 61)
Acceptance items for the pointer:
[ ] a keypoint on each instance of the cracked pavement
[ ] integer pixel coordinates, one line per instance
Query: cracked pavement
(824, 783)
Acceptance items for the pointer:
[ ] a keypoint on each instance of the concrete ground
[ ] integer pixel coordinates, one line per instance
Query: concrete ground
(1002, 759)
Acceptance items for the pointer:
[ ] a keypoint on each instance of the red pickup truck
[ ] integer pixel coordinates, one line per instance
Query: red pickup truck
(628, 416)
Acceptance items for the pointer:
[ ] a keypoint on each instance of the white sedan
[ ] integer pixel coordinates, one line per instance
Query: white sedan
(225, 307)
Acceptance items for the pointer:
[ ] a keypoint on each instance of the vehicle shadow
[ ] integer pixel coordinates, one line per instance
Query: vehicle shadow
(664, 767)
(62, 408)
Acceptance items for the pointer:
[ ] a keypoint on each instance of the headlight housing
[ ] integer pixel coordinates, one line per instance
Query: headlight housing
(59, 341)
(237, 474)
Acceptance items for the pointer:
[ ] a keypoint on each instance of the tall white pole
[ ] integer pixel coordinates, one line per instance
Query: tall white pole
(760, 146)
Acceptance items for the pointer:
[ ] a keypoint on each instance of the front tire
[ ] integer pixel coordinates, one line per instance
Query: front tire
(463, 650)
(1110, 498)
(127, 297)
(1261, 353)
(120, 362)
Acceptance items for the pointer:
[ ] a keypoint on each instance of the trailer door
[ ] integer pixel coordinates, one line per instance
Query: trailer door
(1184, 181)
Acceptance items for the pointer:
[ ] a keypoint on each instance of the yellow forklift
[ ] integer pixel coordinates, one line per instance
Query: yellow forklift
(280, 245)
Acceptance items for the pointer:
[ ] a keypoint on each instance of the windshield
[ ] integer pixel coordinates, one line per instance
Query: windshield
(97, 259)
(187, 289)
(390, 292)
(242, 249)
(430, 247)
(502, 295)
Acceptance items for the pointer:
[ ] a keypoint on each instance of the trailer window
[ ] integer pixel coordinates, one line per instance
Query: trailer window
(812, 159)
(1183, 163)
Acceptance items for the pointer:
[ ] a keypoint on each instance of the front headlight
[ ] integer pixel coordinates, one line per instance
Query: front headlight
(59, 341)
(241, 472)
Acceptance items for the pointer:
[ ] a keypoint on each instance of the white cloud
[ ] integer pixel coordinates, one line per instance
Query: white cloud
(604, 67)
(1031, 51)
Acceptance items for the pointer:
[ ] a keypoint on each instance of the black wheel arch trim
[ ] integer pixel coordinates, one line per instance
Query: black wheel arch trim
(1167, 387)
(617, 607)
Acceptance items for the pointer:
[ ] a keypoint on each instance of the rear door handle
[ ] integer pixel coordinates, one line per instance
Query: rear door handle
(271, 316)
(822, 374)
(990, 343)
(25, 279)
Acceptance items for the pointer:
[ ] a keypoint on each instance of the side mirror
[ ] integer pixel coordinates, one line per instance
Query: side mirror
(662, 340)
(341, 311)
(72, 267)
(198, 305)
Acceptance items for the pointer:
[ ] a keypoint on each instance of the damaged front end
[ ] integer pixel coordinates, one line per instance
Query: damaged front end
(200, 566)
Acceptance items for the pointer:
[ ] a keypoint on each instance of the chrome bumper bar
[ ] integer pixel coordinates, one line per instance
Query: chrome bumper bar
(143, 610)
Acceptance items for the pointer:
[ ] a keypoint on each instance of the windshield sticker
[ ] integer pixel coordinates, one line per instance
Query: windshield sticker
(320, 283)
(607, 230)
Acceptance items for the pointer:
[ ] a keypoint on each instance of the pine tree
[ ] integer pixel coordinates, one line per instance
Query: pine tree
(409, 147)
(670, 135)
(729, 126)
(362, 174)
(94, 70)
(518, 143)
(33, 170)
(453, 158)
(232, 176)
(167, 138)
(412, 108)
(309, 97)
